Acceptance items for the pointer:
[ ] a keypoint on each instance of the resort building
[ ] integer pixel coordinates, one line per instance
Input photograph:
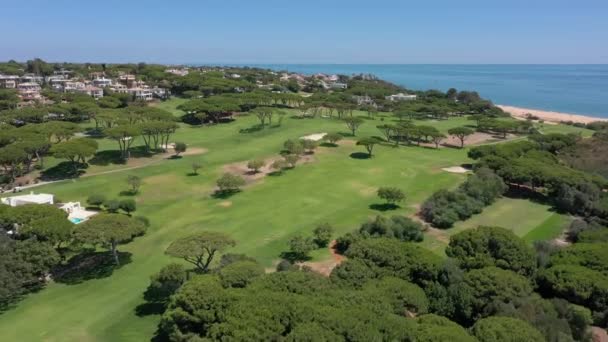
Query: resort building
(31, 78)
(401, 97)
(178, 72)
(144, 94)
(338, 85)
(9, 81)
(29, 91)
(363, 100)
(28, 199)
(76, 213)
(127, 80)
(119, 88)
(102, 82)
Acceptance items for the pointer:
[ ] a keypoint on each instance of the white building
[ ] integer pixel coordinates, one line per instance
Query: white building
(28, 199)
(178, 72)
(29, 91)
(102, 82)
(144, 94)
(9, 81)
(401, 97)
(338, 85)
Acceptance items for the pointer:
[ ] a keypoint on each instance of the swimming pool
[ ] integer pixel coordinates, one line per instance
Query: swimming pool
(76, 220)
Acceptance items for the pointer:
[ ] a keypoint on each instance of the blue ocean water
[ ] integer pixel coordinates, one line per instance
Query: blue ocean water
(580, 89)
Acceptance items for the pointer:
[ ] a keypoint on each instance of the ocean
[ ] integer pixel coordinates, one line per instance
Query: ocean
(578, 89)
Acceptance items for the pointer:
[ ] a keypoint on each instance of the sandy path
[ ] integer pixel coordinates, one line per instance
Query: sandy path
(549, 115)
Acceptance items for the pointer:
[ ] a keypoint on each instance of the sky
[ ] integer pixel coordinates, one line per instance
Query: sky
(307, 31)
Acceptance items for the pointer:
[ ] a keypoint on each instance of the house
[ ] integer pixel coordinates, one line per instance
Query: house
(401, 97)
(338, 85)
(144, 94)
(28, 199)
(119, 88)
(9, 81)
(178, 72)
(29, 91)
(93, 91)
(161, 93)
(127, 80)
(31, 78)
(73, 86)
(363, 100)
(102, 82)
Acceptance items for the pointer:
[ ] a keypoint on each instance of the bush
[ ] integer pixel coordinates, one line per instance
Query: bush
(255, 165)
(333, 138)
(299, 248)
(445, 207)
(179, 147)
(391, 195)
(96, 200)
(112, 205)
(165, 283)
(398, 227)
(128, 205)
(322, 235)
(229, 182)
(240, 273)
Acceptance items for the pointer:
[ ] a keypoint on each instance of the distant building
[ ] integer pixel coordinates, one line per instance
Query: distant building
(28, 199)
(119, 88)
(143, 94)
(401, 97)
(9, 81)
(93, 91)
(102, 82)
(338, 85)
(178, 72)
(127, 80)
(29, 91)
(31, 78)
(363, 100)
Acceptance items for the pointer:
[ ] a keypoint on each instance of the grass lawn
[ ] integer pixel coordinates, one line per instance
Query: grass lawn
(334, 188)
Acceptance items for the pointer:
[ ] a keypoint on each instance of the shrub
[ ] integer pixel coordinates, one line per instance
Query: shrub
(255, 165)
(179, 147)
(96, 200)
(333, 138)
(391, 195)
(322, 235)
(240, 273)
(112, 205)
(128, 205)
(229, 182)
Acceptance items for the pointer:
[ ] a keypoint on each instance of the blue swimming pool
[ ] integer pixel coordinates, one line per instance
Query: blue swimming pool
(76, 220)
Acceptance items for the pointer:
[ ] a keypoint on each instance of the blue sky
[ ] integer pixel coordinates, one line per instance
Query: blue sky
(311, 31)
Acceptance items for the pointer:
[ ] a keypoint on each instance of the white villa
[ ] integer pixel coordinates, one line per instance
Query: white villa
(102, 82)
(28, 199)
(401, 97)
(76, 213)
(29, 90)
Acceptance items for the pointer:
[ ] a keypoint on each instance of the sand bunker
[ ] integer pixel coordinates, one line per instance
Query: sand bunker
(456, 169)
(314, 137)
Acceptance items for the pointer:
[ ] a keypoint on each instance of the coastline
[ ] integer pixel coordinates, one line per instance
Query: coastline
(549, 116)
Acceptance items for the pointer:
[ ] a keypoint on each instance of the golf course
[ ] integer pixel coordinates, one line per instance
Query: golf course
(334, 185)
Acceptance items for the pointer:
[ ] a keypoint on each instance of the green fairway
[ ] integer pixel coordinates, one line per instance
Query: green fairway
(527, 219)
(334, 188)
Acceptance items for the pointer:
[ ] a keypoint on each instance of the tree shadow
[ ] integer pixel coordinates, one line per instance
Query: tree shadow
(275, 173)
(223, 194)
(104, 158)
(89, 265)
(328, 144)
(359, 155)
(150, 308)
(384, 206)
(192, 174)
(175, 157)
(252, 129)
(63, 170)
(294, 257)
(128, 193)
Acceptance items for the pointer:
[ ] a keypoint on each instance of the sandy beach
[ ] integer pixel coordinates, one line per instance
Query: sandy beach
(549, 116)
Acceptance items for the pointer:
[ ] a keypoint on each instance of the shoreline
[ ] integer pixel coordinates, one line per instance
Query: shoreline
(549, 116)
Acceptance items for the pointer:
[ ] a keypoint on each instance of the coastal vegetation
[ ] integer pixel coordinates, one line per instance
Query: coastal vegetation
(276, 206)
